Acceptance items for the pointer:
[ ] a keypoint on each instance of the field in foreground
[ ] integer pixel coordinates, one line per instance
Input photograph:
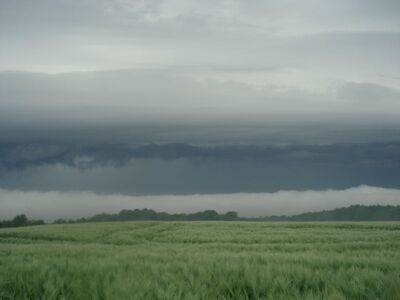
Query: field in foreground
(201, 260)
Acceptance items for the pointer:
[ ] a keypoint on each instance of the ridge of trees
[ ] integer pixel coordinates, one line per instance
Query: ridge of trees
(19, 221)
(351, 213)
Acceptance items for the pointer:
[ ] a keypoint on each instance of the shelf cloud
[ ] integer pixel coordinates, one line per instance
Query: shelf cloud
(115, 100)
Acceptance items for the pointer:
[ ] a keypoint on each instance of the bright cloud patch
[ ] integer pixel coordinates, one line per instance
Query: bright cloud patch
(52, 205)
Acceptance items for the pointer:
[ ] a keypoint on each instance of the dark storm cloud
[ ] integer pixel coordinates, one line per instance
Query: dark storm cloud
(155, 97)
(31, 154)
(184, 169)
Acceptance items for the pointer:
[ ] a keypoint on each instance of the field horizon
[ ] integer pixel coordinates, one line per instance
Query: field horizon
(350, 213)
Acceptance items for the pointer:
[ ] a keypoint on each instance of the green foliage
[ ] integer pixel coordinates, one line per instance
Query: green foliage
(20, 220)
(201, 260)
(149, 214)
(351, 213)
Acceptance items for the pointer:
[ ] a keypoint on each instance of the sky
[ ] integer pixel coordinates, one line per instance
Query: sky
(53, 205)
(185, 97)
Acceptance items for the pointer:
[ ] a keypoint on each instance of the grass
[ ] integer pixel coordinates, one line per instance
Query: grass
(201, 260)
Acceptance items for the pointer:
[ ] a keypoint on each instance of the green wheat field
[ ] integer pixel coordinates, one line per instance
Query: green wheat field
(201, 260)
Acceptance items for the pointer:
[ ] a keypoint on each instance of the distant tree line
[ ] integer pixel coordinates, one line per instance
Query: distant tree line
(351, 213)
(19, 221)
(149, 214)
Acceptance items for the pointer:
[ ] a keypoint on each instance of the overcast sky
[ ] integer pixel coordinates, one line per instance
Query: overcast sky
(197, 57)
(84, 83)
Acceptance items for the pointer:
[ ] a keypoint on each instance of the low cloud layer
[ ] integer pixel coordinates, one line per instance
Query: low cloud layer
(158, 169)
(22, 155)
(53, 205)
